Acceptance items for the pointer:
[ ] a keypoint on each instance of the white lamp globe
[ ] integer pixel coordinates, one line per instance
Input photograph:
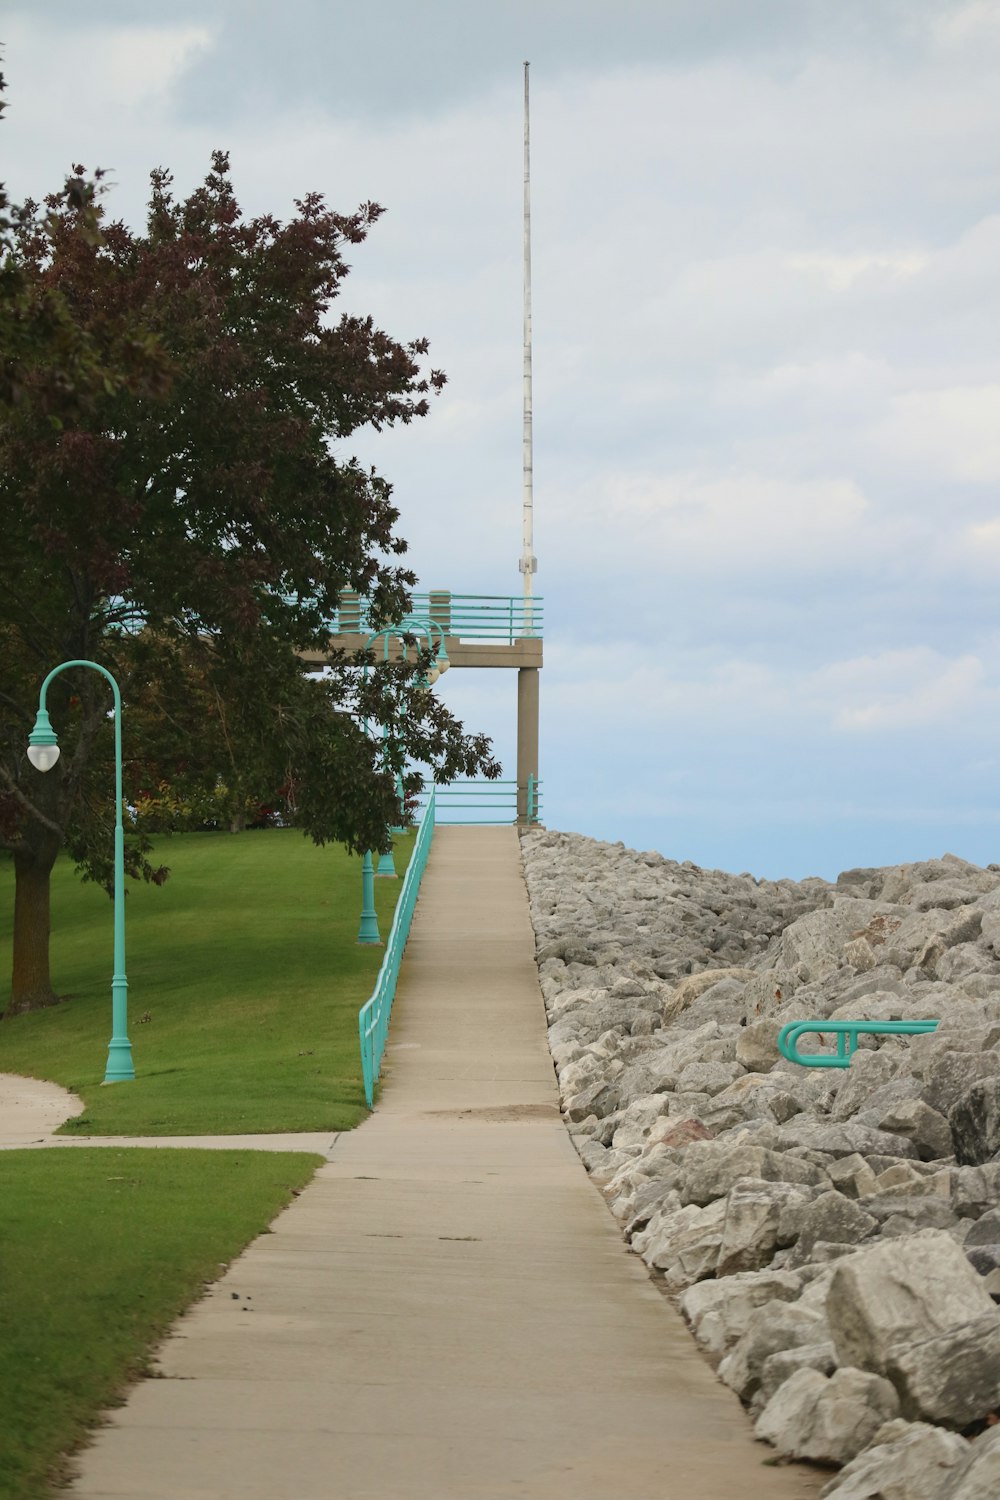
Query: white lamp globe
(43, 757)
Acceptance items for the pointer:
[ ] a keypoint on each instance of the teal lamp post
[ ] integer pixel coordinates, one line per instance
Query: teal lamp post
(368, 931)
(43, 752)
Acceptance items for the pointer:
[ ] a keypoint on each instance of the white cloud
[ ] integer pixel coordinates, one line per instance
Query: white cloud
(952, 432)
(718, 524)
(140, 61)
(699, 692)
(840, 272)
(912, 689)
(968, 27)
(107, 72)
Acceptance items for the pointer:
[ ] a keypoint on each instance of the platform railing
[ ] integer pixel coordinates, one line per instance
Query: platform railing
(373, 1017)
(482, 802)
(501, 619)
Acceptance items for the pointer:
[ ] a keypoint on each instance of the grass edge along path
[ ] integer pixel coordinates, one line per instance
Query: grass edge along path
(100, 1251)
(245, 982)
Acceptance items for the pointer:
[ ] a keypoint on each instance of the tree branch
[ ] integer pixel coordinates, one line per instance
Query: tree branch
(28, 805)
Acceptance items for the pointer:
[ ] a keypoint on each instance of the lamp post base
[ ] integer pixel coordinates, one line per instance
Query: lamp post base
(119, 1068)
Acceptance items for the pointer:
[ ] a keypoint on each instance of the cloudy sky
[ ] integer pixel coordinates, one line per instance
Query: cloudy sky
(767, 365)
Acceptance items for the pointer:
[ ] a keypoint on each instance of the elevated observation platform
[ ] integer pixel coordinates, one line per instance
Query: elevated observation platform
(476, 630)
(479, 630)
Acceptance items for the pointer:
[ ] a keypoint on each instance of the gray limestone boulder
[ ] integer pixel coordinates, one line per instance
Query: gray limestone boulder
(985, 1261)
(842, 1139)
(689, 1231)
(695, 986)
(592, 1154)
(753, 1093)
(928, 1130)
(981, 1479)
(778, 1368)
(722, 1002)
(900, 1292)
(598, 1099)
(868, 1072)
(817, 940)
(767, 992)
(711, 1168)
(860, 955)
(897, 1091)
(910, 881)
(757, 1048)
(852, 1176)
(897, 1214)
(986, 1231)
(651, 1197)
(951, 1377)
(967, 960)
(833, 1219)
(719, 1312)
(708, 1077)
(637, 1120)
(751, 1232)
(884, 979)
(678, 1131)
(905, 1461)
(828, 1419)
(771, 1329)
(912, 1179)
(949, 1074)
(975, 1123)
(974, 1190)
(924, 936)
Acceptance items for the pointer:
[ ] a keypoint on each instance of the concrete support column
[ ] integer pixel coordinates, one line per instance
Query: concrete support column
(440, 608)
(349, 622)
(527, 737)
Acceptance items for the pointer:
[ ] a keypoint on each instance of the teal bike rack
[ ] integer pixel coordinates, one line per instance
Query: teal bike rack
(847, 1033)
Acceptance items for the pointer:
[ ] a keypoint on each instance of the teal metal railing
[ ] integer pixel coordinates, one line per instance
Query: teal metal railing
(373, 1017)
(846, 1033)
(499, 618)
(484, 801)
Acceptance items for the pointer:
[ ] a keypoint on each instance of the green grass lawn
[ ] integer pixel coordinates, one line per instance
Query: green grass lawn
(100, 1250)
(245, 981)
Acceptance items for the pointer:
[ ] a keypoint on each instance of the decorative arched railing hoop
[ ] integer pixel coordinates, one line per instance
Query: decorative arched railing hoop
(846, 1033)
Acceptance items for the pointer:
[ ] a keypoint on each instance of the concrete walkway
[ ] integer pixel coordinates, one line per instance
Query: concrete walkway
(448, 1312)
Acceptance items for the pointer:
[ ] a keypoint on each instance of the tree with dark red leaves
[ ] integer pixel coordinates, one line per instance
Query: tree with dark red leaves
(188, 525)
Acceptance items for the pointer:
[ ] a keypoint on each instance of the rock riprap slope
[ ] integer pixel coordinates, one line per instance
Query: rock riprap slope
(832, 1235)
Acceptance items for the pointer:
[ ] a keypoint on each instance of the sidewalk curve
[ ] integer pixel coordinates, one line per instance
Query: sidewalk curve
(448, 1312)
(31, 1109)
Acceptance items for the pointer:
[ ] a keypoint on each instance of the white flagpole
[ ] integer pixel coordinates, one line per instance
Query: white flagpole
(528, 564)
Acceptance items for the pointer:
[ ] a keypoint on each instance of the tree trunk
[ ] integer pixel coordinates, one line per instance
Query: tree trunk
(31, 986)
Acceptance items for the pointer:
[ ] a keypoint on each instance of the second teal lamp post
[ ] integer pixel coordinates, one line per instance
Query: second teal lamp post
(368, 932)
(43, 752)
